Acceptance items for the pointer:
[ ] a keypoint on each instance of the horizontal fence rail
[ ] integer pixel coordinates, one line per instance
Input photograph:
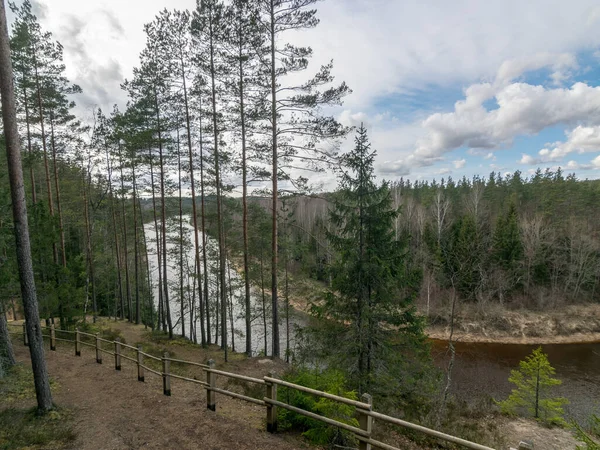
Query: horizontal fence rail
(363, 409)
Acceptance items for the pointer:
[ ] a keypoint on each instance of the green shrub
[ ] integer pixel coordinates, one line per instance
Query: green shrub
(317, 432)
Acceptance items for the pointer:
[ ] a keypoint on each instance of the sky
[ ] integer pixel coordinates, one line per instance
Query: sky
(445, 88)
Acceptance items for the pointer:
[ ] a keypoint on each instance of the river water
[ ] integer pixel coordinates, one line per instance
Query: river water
(237, 292)
(481, 370)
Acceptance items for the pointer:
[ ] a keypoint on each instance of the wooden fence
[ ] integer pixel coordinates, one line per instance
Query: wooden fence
(364, 408)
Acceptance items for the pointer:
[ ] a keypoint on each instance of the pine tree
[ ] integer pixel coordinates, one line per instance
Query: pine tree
(21, 224)
(532, 394)
(293, 111)
(207, 29)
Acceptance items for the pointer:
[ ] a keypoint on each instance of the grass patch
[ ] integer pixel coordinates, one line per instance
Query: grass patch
(159, 337)
(20, 429)
(24, 428)
(106, 332)
(18, 384)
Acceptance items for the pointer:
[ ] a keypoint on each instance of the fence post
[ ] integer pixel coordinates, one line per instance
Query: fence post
(118, 354)
(25, 337)
(271, 409)
(211, 379)
(166, 375)
(140, 361)
(77, 343)
(365, 421)
(52, 338)
(98, 352)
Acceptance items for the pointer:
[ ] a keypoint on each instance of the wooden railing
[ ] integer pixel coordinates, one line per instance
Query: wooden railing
(364, 408)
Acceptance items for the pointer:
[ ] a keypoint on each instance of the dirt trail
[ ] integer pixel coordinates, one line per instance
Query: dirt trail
(112, 410)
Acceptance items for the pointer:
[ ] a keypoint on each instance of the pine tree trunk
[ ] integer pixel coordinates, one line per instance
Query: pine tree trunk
(163, 213)
(45, 149)
(29, 149)
(136, 252)
(223, 296)
(57, 188)
(181, 312)
(287, 310)
(204, 239)
(274, 299)
(245, 208)
(125, 246)
(115, 234)
(90, 256)
(264, 301)
(7, 353)
(19, 207)
(231, 324)
(149, 280)
(194, 212)
(158, 251)
(192, 302)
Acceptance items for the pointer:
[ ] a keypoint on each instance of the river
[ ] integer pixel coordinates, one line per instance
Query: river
(481, 371)
(237, 292)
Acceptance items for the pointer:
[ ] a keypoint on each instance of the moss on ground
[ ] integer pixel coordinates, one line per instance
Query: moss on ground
(23, 428)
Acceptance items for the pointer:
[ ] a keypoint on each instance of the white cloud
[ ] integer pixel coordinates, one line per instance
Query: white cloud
(381, 47)
(582, 139)
(514, 68)
(523, 109)
(529, 160)
(459, 164)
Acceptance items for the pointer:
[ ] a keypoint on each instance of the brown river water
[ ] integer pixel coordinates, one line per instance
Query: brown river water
(481, 371)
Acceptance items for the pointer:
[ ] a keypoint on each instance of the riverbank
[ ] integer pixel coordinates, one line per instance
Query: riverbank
(567, 325)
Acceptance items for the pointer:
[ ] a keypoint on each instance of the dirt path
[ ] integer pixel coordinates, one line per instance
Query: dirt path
(112, 410)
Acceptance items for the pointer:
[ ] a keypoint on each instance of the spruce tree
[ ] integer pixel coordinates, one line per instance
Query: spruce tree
(373, 288)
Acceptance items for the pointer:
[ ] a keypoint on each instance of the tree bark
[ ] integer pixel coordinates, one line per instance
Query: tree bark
(149, 280)
(57, 189)
(181, 306)
(223, 293)
(19, 206)
(245, 203)
(163, 214)
(29, 150)
(274, 307)
(161, 320)
(136, 252)
(88, 235)
(125, 246)
(204, 240)
(115, 234)
(194, 212)
(6, 349)
(44, 148)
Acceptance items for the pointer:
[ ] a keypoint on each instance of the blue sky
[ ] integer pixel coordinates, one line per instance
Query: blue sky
(445, 88)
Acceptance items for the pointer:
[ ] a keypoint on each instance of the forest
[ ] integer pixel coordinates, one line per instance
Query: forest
(225, 126)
